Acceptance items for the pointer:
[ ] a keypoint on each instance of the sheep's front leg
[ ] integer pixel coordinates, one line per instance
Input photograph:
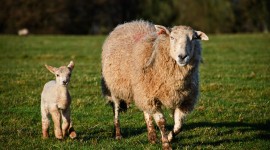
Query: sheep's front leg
(56, 117)
(152, 136)
(178, 121)
(116, 107)
(161, 123)
(71, 131)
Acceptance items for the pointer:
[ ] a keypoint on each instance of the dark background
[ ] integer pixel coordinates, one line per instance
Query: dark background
(101, 16)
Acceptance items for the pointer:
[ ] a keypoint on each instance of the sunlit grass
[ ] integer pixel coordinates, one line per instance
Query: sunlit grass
(233, 111)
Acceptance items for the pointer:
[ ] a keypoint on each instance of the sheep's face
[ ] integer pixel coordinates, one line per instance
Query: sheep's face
(62, 73)
(182, 42)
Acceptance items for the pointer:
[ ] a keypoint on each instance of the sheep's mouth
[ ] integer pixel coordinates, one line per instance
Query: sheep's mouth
(183, 62)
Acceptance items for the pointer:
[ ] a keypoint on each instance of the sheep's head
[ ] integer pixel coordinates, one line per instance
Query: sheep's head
(62, 73)
(182, 42)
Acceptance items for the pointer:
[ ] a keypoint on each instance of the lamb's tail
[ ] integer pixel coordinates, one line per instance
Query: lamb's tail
(107, 94)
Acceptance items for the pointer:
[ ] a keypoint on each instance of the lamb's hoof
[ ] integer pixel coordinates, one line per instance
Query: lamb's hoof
(45, 134)
(45, 137)
(166, 146)
(60, 138)
(73, 135)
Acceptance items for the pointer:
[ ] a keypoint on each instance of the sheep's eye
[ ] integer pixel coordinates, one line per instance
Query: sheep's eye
(57, 75)
(172, 38)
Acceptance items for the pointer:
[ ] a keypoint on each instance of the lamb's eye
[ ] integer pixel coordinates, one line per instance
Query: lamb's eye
(172, 38)
(57, 75)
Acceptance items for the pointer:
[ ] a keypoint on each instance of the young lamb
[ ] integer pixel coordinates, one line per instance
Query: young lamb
(55, 101)
(153, 66)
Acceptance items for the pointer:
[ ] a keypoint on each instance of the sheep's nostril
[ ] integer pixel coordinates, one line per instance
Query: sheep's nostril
(64, 82)
(182, 57)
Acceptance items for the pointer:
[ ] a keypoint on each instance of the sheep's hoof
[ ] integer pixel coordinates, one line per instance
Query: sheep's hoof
(166, 146)
(170, 136)
(118, 137)
(152, 137)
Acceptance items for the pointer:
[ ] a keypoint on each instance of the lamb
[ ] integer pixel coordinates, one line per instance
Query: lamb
(55, 101)
(153, 66)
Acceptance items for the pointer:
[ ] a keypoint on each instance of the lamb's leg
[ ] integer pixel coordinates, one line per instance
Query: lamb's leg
(45, 122)
(161, 123)
(116, 107)
(65, 121)
(67, 124)
(152, 136)
(56, 117)
(71, 131)
(178, 121)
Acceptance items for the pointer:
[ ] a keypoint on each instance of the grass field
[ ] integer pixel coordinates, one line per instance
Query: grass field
(233, 111)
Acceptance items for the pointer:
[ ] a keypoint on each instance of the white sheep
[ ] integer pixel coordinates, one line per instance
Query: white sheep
(153, 66)
(55, 101)
(23, 32)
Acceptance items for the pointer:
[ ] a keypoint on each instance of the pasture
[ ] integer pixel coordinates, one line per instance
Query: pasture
(233, 111)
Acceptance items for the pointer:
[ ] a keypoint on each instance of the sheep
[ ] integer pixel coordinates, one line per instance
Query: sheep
(153, 66)
(23, 32)
(55, 101)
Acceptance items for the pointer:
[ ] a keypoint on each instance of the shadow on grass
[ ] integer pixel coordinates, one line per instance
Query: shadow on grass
(259, 131)
(109, 133)
(227, 131)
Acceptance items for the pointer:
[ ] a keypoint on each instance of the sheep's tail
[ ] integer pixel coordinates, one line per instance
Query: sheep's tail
(107, 94)
(104, 88)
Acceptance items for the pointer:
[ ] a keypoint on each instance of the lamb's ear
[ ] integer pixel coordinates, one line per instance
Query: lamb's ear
(202, 35)
(71, 65)
(162, 30)
(51, 69)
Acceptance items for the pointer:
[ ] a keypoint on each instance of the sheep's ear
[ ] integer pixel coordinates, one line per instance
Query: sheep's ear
(202, 35)
(162, 30)
(51, 69)
(71, 65)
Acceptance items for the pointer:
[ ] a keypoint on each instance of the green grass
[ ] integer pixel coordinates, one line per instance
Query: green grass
(233, 111)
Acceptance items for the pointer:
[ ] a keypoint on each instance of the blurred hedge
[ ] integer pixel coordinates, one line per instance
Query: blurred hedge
(101, 16)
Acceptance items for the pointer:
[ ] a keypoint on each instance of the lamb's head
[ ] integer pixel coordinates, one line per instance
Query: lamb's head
(62, 73)
(182, 42)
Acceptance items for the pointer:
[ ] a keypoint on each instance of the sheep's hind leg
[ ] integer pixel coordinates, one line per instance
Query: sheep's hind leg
(161, 123)
(178, 121)
(116, 109)
(152, 136)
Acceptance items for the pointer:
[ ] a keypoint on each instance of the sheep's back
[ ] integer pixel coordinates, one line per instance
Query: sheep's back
(117, 55)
